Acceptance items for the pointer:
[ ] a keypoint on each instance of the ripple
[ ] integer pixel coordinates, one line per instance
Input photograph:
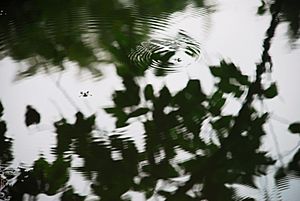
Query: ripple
(3, 40)
(284, 183)
(166, 53)
(171, 47)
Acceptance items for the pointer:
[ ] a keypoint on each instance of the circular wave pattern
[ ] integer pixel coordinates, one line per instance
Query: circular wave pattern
(169, 55)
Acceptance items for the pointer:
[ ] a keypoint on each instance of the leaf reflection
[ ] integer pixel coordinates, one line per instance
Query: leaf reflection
(5, 142)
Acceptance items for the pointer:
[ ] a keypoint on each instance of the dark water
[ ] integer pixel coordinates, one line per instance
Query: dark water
(149, 100)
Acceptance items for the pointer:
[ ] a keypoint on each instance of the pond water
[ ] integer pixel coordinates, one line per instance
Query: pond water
(149, 100)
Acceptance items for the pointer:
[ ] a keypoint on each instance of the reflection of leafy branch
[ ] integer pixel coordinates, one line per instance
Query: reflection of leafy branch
(245, 129)
(43, 178)
(5, 142)
(289, 12)
(174, 122)
(242, 119)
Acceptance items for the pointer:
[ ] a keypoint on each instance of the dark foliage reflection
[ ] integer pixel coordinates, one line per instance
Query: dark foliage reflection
(45, 35)
(289, 12)
(5, 142)
(173, 123)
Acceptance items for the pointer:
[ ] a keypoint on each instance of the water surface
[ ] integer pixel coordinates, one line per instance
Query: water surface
(149, 100)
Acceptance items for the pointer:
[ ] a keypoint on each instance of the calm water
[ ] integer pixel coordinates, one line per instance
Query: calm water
(149, 100)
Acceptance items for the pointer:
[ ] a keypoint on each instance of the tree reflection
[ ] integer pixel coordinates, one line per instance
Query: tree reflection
(5, 142)
(45, 34)
(222, 149)
(289, 12)
(172, 125)
(234, 158)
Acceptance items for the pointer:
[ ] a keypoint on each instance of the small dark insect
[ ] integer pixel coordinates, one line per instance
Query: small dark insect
(31, 116)
(85, 94)
(178, 60)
